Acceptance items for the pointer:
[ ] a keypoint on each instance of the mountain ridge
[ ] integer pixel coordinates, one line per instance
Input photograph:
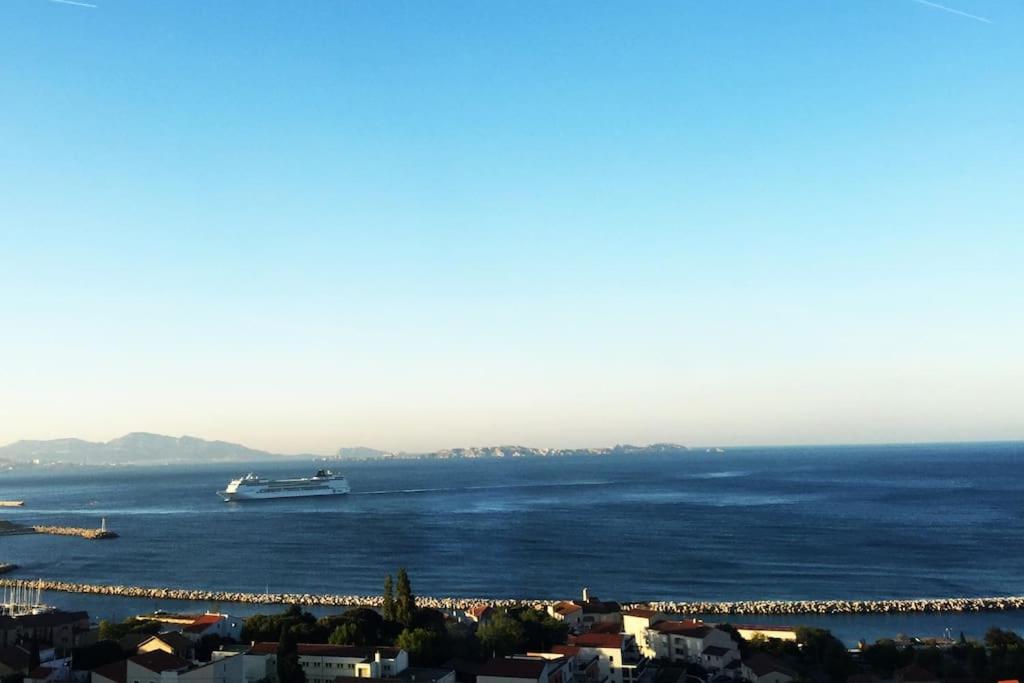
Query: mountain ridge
(146, 448)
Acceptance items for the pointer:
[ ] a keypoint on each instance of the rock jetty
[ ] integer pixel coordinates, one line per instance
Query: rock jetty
(91, 534)
(751, 607)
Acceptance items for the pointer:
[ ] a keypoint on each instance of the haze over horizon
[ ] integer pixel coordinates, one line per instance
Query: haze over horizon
(419, 226)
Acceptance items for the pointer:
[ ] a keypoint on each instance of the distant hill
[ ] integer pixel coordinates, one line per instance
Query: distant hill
(141, 448)
(362, 452)
(137, 448)
(529, 452)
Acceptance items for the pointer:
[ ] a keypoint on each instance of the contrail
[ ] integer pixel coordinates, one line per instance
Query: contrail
(928, 3)
(79, 4)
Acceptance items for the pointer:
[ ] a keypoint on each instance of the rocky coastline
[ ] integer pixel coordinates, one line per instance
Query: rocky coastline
(750, 607)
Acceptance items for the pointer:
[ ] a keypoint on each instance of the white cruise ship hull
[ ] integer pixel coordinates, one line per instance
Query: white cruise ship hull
(254, 488)
(252, 495)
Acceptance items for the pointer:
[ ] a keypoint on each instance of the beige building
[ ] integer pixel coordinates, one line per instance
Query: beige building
(636, 623)
(749, 631)
(619, 657)
(173, 643)
(688, 641)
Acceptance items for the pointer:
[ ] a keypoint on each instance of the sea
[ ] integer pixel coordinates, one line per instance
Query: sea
(850, 522)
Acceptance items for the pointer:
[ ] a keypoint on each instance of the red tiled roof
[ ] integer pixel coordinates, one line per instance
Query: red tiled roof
(203, 622)
(172, 638)
(158, 661)
(566, 608)
(764, 627)
(595, 606)
(514, 667)
(480, 611)
(603, 640)
(692, 629)
(640, 612)
(565, 649)
(762, 664)
(117, 672)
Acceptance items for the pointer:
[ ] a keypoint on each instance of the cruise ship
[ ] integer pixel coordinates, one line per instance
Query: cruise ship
(251, 487)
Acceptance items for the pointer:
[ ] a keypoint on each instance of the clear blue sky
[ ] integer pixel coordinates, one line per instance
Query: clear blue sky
(413, 225)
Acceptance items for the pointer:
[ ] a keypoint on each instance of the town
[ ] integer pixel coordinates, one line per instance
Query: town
(584, 640)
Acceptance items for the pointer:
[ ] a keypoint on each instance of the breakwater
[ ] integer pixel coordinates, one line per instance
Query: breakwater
(91, 534)
(751, 607)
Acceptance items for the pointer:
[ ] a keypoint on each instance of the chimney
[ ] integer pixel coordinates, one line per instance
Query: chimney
(586, 594)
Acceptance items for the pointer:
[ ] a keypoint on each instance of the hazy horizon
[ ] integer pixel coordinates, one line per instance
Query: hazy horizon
(419, 226)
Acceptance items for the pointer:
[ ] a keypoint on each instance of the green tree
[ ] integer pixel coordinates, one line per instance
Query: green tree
(346, 633)
(405, 601)
(884, 657)
(288, 668)
(389, 599)
(501, 636)
(268, 627)
(540, 629)
(998, 639)
(462, 641)
(425, 647)
(111, 631)
(821, 651)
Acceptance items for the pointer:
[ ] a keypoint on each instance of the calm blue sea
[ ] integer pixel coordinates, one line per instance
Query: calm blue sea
(822, 522)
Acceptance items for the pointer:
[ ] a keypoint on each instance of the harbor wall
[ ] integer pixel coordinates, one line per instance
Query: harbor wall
(752, 607)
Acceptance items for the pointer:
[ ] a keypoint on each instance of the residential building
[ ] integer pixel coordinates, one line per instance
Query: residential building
(569, 612)
(421, 674)
(158, 666)
(686, 641)
(49, 672)
(324, 663)
(480, 614)
(172, 642)
(636, 623)
(585, 664)
(14, 660)
(775, 632)
(595, 611)
(762, 668)
(195, 626)
(63, 630)
(619, 657)
(525, 669)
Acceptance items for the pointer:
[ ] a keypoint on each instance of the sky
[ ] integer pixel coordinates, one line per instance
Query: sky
(417, 225)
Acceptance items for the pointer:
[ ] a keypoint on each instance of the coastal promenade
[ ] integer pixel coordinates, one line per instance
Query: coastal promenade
(751, 607)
